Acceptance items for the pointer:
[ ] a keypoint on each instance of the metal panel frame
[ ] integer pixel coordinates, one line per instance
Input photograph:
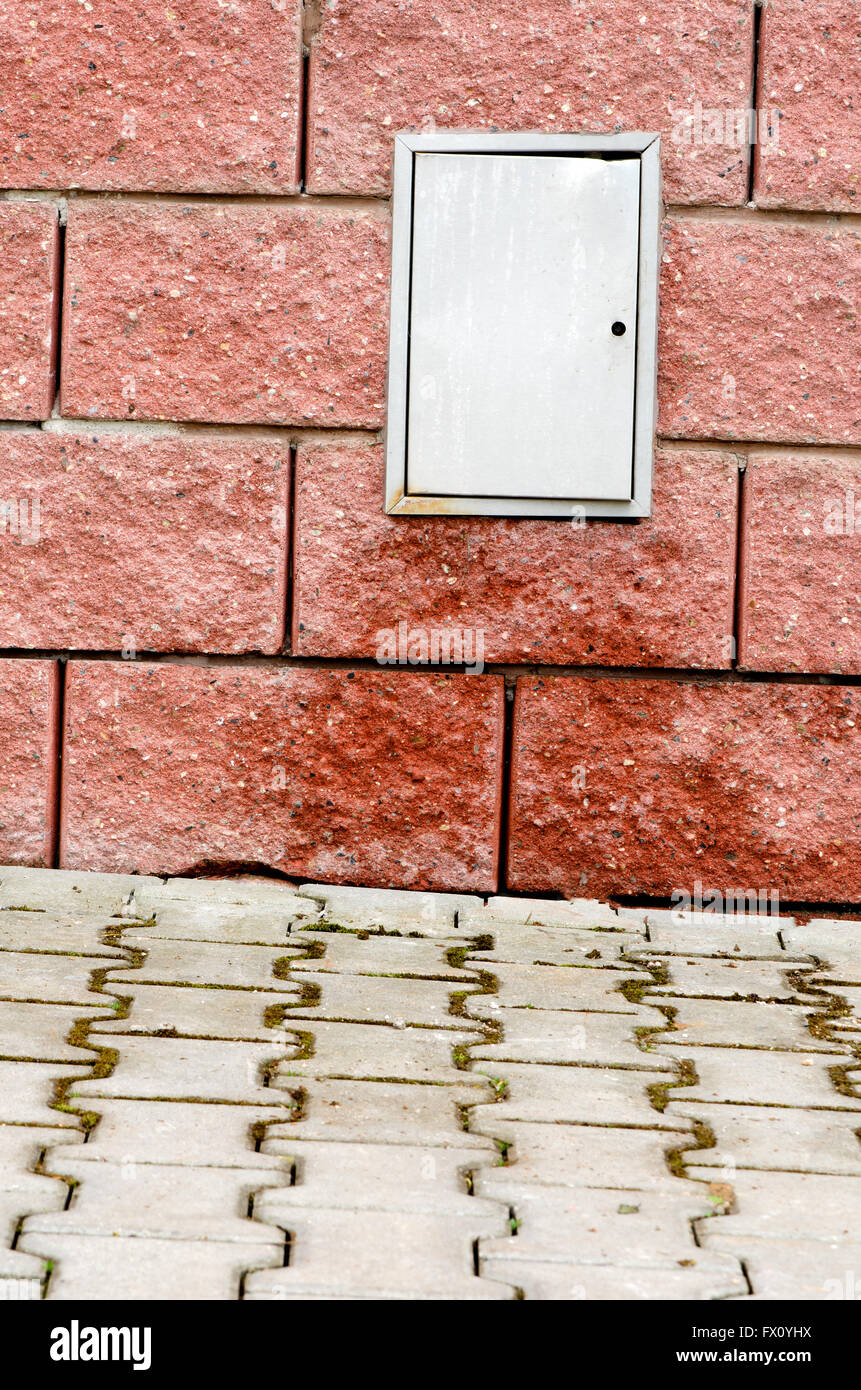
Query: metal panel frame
(646, 147)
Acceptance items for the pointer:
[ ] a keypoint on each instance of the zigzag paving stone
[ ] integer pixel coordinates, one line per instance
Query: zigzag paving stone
(202, 963)
(387, 1052)
(537, 945)
(574, 1095)
(543, 1035)
(580, 1155)
(70, 933)
(347, 953)
(711, 1022)
(140, 1268)
(356, 1254)
(67, 890)
(558, 987)
(40, 1031)
(130, 1132)
(788, 1269)
(790, 1206)
(27, 1090)
(754, 1136)
(390, 1112)
(49, 979)
(751, 1077)
(728, 979)
(543, 1280)
(199, 1012)
(382, 999)
(188, 1069)
(226, 926)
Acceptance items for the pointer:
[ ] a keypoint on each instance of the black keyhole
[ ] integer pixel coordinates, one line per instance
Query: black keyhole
(618, 329)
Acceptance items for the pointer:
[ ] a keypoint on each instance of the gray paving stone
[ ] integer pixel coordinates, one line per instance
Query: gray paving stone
(728, 979)
(25, 1271)
(557, 987)
(589, 1225)
(371, 1050)
(141, 1269)
(537, 945)
(574, 1095)
(812, 1270)
(174, 1132)
(851, 995)
(427, 911)
(789, 1206)
(73, 933)
(752, 1077)
(382, 999)
(343, 1254)
(39, 1032)
(836, 942)
(387, 1112)
(714, 933)
(169, 1201)
(202, 1013)
(22, 1193)
(755, 1136)
(347, 953)
(226, 925)
(21, 1145)
(374, 1177)
(709, 1022)
(26, 1092)
(578, 1155)
(575, 912)
(151, 895)
(68, 889)
(544, 1035)
(203, 963)
(49, 979)
(572, 1282)
(187, 1069)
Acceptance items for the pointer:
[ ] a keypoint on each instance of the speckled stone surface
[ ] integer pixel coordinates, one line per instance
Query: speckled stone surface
(656, 593)
(749, 786)
(347, 776)
(146, 543)
(225, 312)
(29, 718)
(800, 564)
(110, 95)
(29, 304)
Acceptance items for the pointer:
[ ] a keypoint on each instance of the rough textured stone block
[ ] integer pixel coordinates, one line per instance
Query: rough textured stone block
(146, 543)
(657, 593)
(29, 308)
(730, 785)
(800, 571)
(173, 767)
(788, 377)
(225, 313)
(29, 717)
(808, 71)
(377, 68)
(200, 96)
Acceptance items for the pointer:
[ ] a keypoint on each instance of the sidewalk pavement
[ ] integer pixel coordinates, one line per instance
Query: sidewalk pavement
(228, 1089)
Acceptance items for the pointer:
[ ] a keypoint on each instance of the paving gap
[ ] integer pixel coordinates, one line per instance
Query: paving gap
(57, 320)
(505, 782)
(290, 542)
(57, 762)
(740, 522)
(754, 87)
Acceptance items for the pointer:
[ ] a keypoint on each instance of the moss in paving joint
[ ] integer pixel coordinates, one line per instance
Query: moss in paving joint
(659, 1091)
(702, 1137)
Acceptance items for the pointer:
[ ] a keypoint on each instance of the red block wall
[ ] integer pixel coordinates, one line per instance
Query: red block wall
(196, 574)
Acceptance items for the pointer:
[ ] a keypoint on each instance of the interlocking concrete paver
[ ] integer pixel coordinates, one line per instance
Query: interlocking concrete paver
(574, 912)
(715, 933)
(558, 987)
(203, 963)
(381, 998)
(347, 953)
(710, 1022)
(26, 1192)
(27, 1089)
(760, 1078)
(21, 1145)
(536, 945)
(574, 1095)
(699, 1279)
(838, 943)
(151, 894)
(378, 1050)
(138, 1268)
(188, 1069)
(173, 1132)
(151, 1199)
(227, 925)
(390, 1112)
(73, 933)
(728, 979)
(199, 1012)
(67, 890)
(579, 1155)
(756, 1136)
(47, 978)
(790, 1206)
(344, 1254)
(544, 1035)
(428, 911)
(788, 1269)
(40, 1031)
